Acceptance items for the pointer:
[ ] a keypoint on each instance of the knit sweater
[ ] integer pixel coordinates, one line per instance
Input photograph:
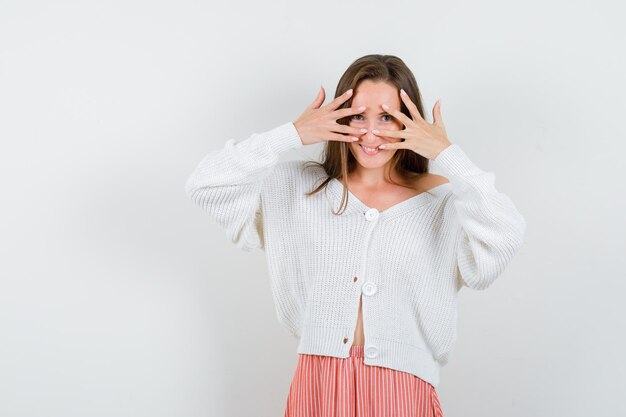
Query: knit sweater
(408, 262)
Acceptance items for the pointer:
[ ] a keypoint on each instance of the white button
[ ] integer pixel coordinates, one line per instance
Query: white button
(371, 214)
(369, 288)
(371, 351)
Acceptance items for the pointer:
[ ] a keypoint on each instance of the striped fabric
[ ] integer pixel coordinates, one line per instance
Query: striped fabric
(327, 386)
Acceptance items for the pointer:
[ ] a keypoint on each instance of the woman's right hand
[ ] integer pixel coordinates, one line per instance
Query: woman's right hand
(319, 124)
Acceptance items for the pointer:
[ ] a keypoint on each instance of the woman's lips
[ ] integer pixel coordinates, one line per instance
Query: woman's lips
(370, 151)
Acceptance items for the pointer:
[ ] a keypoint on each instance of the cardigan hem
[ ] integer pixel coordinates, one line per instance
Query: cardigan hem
(329, 341)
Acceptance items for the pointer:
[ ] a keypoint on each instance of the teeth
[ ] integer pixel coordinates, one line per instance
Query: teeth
(370, 149)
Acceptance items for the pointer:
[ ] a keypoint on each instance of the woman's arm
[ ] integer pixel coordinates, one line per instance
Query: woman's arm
(227, 182)
(492, 229)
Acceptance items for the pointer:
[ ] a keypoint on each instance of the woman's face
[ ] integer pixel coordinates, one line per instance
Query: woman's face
(372, 95)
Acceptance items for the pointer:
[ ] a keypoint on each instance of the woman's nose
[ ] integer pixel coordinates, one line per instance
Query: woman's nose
(372, 126)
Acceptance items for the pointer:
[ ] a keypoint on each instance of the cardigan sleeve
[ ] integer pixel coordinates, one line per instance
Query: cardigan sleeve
(491, 228)
(227, 182)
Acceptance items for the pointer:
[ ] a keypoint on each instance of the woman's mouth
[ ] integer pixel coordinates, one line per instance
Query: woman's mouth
(370, 151)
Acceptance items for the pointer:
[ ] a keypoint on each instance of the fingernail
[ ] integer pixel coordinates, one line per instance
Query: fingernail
(363, 130)
(381, 146)
(376, 131)
(402, 92)
(385, 106)
(361, 108)
(349, 91)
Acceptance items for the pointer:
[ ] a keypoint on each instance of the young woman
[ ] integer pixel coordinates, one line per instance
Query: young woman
(366, 250)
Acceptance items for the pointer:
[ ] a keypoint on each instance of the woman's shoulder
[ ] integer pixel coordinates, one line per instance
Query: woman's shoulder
(290, 181)
(301, 168)
(291, 167)
(296, 174)
(429, 180)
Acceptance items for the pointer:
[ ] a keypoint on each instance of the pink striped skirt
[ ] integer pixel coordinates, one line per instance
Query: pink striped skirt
(325, 386)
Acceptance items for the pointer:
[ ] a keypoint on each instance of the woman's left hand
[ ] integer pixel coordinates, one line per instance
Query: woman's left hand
(419, 136)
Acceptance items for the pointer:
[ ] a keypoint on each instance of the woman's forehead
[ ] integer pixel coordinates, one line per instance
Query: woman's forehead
(373, 95)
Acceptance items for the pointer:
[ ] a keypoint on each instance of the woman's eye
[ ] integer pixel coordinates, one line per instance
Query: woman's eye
(384, 115)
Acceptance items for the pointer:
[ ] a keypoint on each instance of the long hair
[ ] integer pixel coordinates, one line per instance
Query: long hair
(337, 160)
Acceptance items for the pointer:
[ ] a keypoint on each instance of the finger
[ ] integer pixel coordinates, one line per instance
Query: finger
(411, 106)
(319, 99)
(437, 119)
(390, 133)
(338, 101)
(341, 113)
(394, 145)
(406, 120)
(349, 129)
(342, 138)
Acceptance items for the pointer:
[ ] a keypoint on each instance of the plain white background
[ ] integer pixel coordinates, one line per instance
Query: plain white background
(119, 297)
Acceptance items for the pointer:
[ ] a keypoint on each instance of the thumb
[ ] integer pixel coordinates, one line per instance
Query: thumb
(437, 120)
(319, 99)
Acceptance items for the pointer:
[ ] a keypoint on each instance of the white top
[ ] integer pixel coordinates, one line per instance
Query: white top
(409, 261)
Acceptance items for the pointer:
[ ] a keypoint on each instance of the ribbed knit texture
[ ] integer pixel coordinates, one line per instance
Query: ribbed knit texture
(409, 261)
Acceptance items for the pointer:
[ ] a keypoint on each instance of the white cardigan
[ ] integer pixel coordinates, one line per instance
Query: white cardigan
(409, 261)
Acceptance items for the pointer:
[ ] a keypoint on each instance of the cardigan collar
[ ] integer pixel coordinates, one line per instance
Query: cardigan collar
(355, 205)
